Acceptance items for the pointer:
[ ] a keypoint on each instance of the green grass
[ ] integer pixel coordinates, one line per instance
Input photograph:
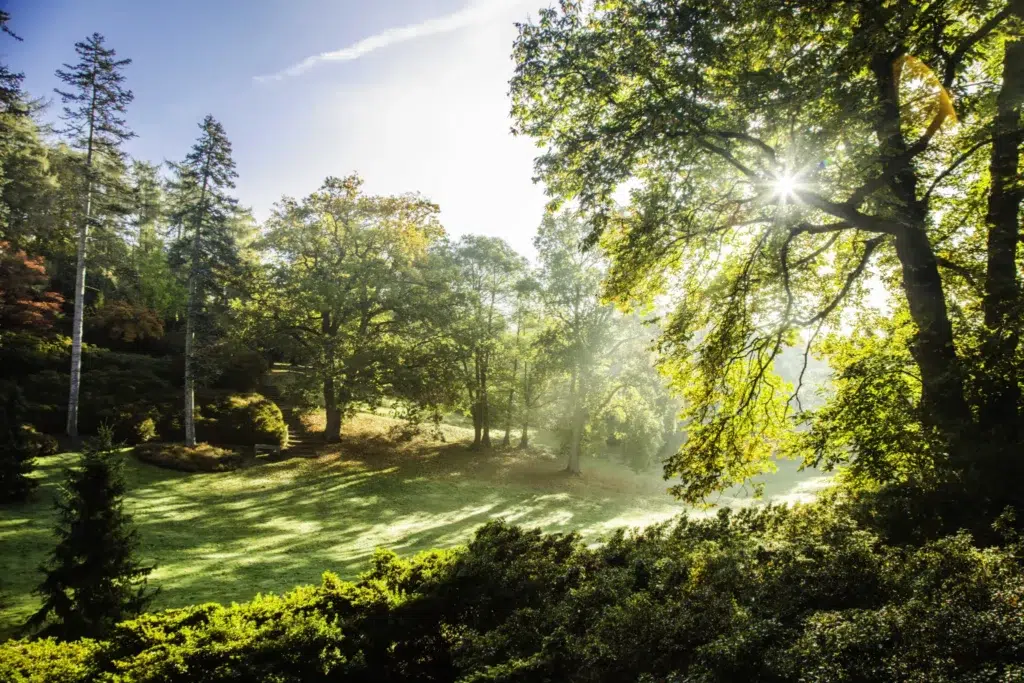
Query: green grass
(227, 536)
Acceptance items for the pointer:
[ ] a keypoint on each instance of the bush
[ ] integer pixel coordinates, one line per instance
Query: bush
(238, 369)
(240, 420)
(39, 445)
(16, 452)
(761, 595)
(202, 458)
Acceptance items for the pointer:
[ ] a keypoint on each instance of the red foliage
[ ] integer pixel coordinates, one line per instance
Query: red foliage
(128, 321)
(26, 301)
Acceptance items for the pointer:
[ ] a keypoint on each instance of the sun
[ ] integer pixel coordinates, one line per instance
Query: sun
(786, 185)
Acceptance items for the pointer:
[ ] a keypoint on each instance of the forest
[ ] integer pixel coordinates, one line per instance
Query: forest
(750, 410)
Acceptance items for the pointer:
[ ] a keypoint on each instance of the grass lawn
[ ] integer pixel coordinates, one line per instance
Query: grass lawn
(227, 536)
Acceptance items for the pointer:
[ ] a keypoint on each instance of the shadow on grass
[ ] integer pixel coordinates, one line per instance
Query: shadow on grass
(227, 536)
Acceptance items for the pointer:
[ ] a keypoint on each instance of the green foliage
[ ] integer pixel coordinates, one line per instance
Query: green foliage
(200, 458)
(240, 420)
(790, 166)
(349, 297)
(772, 594)
(16, 451)
(92, 580)
(233, 366)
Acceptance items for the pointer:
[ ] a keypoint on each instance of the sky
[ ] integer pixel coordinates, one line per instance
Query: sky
(411, 94)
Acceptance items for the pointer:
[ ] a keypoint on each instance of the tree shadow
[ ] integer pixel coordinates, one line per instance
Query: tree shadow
(227, 536)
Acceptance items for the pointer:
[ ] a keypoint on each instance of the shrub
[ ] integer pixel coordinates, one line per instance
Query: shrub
(145, 430)
(202, 458)
(16, 453)
(240, 419)
(39, 445)
(774, 594)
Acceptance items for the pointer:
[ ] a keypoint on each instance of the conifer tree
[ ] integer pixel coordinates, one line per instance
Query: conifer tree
(94, 105)
(15, 453)
(203, 208)
(93, 580)
(10, 81)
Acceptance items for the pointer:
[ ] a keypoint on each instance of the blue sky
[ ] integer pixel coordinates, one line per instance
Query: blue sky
(412, 94)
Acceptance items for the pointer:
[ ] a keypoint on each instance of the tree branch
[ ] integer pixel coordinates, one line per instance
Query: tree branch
(869, 248)
(955, 165)
(954, 60)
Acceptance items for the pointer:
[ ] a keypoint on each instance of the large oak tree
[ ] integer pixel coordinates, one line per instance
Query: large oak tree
(784, 160)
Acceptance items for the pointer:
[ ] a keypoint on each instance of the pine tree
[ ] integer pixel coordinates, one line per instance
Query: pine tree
(15, 453)
(203, 209)
(94, 105)
(92, 578)
(10, 81)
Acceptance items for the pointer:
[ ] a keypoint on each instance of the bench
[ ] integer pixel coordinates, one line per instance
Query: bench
(271, 448)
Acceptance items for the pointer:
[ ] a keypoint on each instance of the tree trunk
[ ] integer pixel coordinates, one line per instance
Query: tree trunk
(943, 403)
(576, 445)
(485, 406)
(474, 411)
(332, 410)
(190, 315)
(78, 320)
(332, 426)
(79, 317)
(575, 423)
(999, 414)
(524, 439)
(190, 333)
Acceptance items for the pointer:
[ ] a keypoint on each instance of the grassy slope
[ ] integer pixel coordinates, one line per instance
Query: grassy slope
(227, 536)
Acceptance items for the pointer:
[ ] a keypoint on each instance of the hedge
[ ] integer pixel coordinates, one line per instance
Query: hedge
(775, 594)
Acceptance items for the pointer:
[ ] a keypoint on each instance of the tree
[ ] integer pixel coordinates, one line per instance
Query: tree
(26, 301)
(10, 81)
(349, 293)
(523, 316)
(94, 106)
(785, 156)
(583, 333)
(155, 286)
(203, 208)
(15, 452)
(93, 580)
(488, 271)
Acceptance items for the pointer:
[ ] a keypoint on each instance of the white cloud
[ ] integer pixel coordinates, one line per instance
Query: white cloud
(473, 14)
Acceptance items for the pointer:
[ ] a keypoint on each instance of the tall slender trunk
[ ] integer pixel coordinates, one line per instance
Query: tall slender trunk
(512, 388)
(190, 316)
(524, 438)
(332, 409)
(511, 397)
(1002, 302)
(78, 320)
(485, 407)
(575, 423)
(942, 378)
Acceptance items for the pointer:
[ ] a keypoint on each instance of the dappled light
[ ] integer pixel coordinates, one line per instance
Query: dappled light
(734, 392)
